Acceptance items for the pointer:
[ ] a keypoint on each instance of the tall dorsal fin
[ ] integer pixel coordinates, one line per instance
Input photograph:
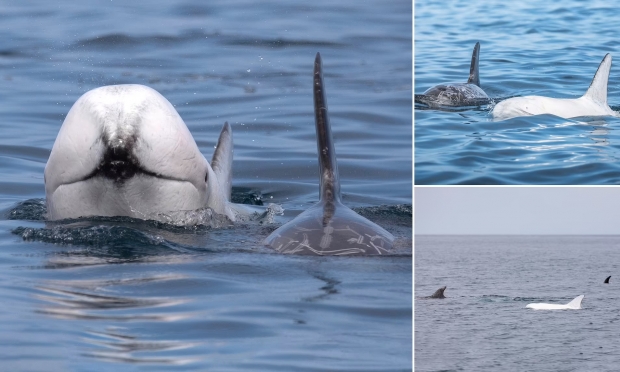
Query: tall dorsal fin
(598, 87)
(330, 183)
(575, 303)
(222, 160)
(474, 77)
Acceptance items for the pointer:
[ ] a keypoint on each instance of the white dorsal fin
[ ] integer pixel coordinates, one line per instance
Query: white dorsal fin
(575, 303)
(598, 88)
(222, 160)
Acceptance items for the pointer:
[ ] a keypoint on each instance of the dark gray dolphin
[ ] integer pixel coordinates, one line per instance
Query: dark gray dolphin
(457, 94)
(328, 227)
(438, 293)
(607, 280)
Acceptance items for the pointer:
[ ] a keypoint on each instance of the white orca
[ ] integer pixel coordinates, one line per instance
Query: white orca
(592, 103)
(575, 304)
(457, 94)
(328, 227)
(123, 150)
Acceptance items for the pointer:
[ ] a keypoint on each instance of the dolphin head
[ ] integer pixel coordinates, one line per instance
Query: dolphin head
(123, 150)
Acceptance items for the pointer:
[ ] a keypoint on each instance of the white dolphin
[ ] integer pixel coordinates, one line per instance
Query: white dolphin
(123, 150)
(575, 304)
(592, 103)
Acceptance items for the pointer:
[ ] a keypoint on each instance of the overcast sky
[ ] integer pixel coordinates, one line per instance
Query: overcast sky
(517, 210)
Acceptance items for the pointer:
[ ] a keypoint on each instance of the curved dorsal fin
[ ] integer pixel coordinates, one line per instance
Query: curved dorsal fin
(439, 293)
(598, 87)
(575, 303)
(474, 77)
(222, 160)
(330, 183)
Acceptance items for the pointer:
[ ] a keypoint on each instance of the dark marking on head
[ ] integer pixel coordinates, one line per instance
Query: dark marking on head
(607, 280)
(119, 162)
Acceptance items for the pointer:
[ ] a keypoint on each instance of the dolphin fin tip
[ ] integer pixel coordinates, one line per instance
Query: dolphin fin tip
(474, 75)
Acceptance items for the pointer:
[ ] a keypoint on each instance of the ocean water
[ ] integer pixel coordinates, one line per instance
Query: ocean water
(103, 294)
(483, 325)
(528, 48)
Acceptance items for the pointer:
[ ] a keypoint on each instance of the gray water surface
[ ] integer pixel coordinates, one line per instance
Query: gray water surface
(483, 325)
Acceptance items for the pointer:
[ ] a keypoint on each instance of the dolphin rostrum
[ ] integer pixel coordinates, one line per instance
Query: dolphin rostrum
(328, 227)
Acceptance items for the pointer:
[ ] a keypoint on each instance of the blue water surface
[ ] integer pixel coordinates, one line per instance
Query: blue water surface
(104, 294)
(527, 48)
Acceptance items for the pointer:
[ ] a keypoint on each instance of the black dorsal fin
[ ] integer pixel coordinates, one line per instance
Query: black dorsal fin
(330, 183)
(439, 293)
(607, 280)
(474, 77)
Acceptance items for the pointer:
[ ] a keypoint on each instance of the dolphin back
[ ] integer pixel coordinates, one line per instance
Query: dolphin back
(575, 304)
(474, 76)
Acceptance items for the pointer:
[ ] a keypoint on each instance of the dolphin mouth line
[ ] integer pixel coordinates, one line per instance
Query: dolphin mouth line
(122, 176)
